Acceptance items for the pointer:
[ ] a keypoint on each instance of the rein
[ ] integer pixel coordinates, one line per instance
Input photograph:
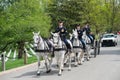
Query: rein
(59, 49)
(58, 40)
(78, 46)
(41, 50)
(38, 41)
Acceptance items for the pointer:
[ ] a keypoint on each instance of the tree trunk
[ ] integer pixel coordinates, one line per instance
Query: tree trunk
(20, 49)
(25, 57)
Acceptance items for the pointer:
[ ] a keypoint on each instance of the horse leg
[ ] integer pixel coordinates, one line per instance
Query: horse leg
(81, 58)
(50, 63)
(60, 71)
(69, 69)
(46, 63)
(38, 71)
(88, 58)
(57, 59)
(50, 60)
(76, 60)
(65, 59)
(89, 53)
(61, 63)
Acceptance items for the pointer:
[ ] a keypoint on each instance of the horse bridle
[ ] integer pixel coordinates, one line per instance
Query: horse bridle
(38, 41)
(76, 40)
(58, 40)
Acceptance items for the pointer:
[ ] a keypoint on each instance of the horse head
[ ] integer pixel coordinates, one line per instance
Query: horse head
(85, 37)
(75, 34)
(37, 39)
(56, 38)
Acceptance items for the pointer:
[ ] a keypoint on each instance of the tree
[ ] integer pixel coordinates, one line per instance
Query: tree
(20, 20)
(103, 15)
(70, 11)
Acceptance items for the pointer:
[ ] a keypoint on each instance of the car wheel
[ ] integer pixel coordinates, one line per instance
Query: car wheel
(114, 44)
(102, 45)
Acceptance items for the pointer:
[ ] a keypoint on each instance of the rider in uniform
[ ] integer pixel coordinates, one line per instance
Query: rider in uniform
(88, 31)
(62, 32)
(80, 33)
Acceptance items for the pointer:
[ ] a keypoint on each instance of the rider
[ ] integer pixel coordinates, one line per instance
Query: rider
(88, 31)
(62, 32)
(80, 33)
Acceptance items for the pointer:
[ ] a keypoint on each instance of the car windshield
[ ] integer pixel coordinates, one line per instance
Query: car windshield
(108, 36)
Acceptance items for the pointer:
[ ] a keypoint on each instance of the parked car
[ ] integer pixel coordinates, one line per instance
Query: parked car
(109, 40)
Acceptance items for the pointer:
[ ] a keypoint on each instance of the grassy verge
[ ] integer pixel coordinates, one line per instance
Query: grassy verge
(10, 64)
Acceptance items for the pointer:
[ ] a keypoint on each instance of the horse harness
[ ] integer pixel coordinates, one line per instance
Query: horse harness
(59, 49)
(42, 50)
(78, 46)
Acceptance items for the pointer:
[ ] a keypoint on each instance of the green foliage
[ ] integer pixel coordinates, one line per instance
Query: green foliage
(103, 15)
(10, 64)
(20, 19)
(68, 10)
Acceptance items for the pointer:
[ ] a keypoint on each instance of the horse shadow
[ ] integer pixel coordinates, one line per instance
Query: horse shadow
(33, 74)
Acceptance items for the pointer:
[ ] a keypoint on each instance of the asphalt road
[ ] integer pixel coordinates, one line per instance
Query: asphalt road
(105, 66)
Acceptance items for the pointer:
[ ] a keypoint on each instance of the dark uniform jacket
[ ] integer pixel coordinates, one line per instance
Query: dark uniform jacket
(87, 30)
(62, 31)
(80, 33)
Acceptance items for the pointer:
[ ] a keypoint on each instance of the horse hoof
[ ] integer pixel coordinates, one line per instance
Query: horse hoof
(48, 71)
(75, 65)
(38, 74)
(79, 64)
(83, 60)
(88, 59)
(69, 69)
(59, 74)
(65, 64)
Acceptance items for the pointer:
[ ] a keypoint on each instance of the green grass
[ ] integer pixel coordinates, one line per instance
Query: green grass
(10, 64)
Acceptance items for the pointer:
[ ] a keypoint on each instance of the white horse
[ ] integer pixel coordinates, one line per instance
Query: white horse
(77, 48)
(42, 50)
(88, 45)
(59, 51)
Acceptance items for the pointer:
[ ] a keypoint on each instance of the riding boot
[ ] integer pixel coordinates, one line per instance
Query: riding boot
(84, 48)
(53, 53)
(68, 45)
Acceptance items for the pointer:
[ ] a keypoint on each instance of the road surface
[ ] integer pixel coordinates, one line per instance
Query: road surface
(105, 66)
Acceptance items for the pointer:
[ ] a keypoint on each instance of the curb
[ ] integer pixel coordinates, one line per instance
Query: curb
(16, 69)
